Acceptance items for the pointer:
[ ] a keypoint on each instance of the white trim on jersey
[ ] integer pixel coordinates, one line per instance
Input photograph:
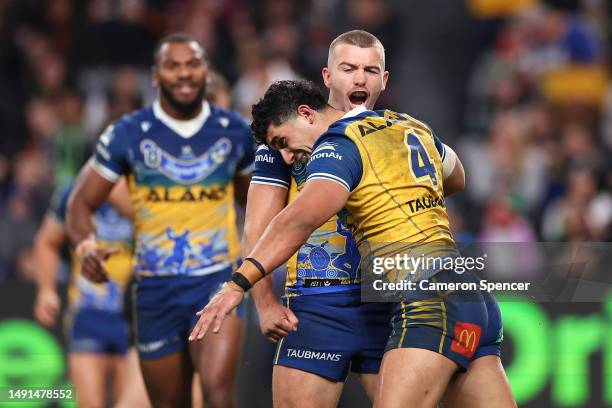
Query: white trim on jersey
(266, 183)
(354, 112)
(330, 177)
(104, 171)
(448, 161)
(270, 180)
(183, 128)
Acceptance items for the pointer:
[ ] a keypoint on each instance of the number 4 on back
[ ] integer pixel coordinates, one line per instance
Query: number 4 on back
(418, 160)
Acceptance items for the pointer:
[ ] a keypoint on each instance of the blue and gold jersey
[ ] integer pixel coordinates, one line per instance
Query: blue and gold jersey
(180, 180)
(391, 164)
(328, 262)
(114, 232)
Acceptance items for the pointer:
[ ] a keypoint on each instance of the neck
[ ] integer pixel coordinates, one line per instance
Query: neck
(327, 116)
(176, 113)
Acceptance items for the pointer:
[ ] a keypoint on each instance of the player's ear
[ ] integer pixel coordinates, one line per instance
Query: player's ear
(385, 79)
(325, 74)
(306, 112)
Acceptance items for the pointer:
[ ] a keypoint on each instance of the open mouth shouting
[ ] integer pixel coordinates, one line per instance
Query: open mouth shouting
(358, 98)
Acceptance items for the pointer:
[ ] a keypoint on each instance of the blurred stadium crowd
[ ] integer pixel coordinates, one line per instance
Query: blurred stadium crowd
(536, 109)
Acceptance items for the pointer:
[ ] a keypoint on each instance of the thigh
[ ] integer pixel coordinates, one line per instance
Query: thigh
(370, 384)
(293, 388)
(134, 393)
(168, 379)
(483, 385)
(411, 377)
(88, 373)
(217, 355)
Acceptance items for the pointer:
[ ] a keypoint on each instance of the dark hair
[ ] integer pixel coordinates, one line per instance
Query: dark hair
(176, 38)
(280, 103)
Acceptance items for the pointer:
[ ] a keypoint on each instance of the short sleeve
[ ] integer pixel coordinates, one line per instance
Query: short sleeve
(59, 203)
(439, 145)
(110, 157)
(270, 169)
(335, 158)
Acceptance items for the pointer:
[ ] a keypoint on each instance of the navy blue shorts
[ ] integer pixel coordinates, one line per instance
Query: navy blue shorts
(461, 325)
(165, 310)
(336, 331)
(97, 331)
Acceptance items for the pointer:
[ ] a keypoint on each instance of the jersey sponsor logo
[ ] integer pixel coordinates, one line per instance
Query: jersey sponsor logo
(268, 158)
(188, 171)
(425, 202)
(152, 346)
(367, 127)
(466, 339)
(162, 194)
(313, 355)
(326, 155)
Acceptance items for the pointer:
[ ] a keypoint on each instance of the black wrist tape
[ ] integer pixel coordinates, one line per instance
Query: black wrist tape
(259, 266)
(240, 280)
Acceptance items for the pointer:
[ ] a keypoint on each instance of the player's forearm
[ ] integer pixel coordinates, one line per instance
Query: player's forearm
(263, 291)
(79, 220)
(288, 231)
(46, 260)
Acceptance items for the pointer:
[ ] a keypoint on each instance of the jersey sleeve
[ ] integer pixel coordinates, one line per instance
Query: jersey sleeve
(335, 158)
(270, 169)
(59, 203)
(111, 155)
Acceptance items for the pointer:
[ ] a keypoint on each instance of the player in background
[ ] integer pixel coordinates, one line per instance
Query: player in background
(323, 277)
(375, 165)
(187, 162)
(96, 331)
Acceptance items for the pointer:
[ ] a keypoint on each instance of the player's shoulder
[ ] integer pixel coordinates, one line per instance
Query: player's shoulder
(406, 119)
(268, 157)
(227, 119)
(133, 123)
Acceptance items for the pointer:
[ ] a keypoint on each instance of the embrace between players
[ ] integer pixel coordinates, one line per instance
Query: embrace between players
(330, 180)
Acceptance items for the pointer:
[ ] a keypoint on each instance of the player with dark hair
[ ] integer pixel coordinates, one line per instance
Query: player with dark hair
(187, 162)
(373, 164)
(322, 290)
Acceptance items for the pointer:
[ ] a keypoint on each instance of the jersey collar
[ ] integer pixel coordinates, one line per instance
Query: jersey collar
(184, 128)
(354, 112)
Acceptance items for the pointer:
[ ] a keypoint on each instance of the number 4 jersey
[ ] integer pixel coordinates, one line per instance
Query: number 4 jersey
(180, 177)
(392, 165)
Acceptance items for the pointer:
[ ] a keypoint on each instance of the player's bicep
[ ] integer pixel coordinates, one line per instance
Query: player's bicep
(91, 188)
(264, 202)
(119, 198)
(51, 234)
(319, 200)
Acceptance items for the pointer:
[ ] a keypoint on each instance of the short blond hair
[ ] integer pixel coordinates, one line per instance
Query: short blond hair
(358, 38)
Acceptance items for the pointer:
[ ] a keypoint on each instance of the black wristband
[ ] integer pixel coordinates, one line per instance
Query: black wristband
(240, 280)
(259, 266)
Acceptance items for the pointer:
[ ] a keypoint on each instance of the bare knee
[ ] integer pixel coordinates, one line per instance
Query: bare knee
(218, 391)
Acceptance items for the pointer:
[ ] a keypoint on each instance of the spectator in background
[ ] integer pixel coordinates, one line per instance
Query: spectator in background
(68, 146)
